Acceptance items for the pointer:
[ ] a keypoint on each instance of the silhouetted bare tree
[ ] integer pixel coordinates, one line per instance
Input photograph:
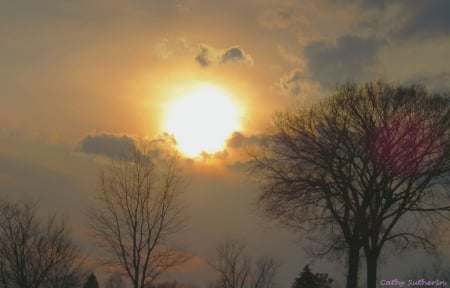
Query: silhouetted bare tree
(34, 253)
(367, 166)
(66, 275)
(138, 209)
(235, 267)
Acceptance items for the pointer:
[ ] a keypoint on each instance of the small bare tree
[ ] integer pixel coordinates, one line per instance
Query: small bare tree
(34, 253)
(137, 210)
(235, 267)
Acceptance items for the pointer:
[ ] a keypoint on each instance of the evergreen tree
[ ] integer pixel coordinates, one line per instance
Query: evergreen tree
(308, 279)
(91, 282)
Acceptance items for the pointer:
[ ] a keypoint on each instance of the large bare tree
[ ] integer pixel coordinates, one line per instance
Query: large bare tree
(366, 166)
(138, 208)
(35, 253)
(236, 270)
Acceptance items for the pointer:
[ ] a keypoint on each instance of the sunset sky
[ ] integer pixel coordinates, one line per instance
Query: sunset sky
(81, 80)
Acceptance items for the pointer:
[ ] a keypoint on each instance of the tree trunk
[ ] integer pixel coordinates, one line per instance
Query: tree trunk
(371, 261)
(353, 264)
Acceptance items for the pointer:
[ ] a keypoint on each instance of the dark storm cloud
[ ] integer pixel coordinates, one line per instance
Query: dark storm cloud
(208, 56)
(109, 145)
(350, 58)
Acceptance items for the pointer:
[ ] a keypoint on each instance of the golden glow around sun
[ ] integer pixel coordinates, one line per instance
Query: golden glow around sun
(202, 120)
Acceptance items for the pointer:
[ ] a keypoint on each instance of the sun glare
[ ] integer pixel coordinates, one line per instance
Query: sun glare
(202, 120)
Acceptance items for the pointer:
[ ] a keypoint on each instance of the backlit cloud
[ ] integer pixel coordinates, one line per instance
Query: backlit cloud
(208, 55)
(205, 56)
(109, 145)
(166, 48)
(291, 83)
(239, 140)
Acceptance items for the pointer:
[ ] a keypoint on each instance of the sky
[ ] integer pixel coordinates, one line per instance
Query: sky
(81, 80)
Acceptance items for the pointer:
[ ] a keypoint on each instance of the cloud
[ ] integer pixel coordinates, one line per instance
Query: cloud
(160, 149)
(162, 49)
(406, 19)
(166, 48)
(34, 168)
(350, 58)
(232, 55)
(208, 55)
(291, 83)
(297, 85)
(251, 143)
(204, 56)
(290, 55)
(239, 166)
(427, 19)
(280, 18)
(437, 82)
(379, 4)
(109, 145)
(239, 140)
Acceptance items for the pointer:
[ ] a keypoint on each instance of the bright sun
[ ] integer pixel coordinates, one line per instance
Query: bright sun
(202, 120)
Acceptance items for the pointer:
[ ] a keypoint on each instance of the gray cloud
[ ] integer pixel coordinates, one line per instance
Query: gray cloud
(436, 82)
(291, 83)
(411, 20)
(232, 55)
(207, 56)
(350, 58)
(61, 181)
(427, 19)
(16, 169)
(108, 145)
(378, 4)
(204, 56)
(239, 140)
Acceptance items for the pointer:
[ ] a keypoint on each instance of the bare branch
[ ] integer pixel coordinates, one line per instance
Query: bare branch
(138, 209)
